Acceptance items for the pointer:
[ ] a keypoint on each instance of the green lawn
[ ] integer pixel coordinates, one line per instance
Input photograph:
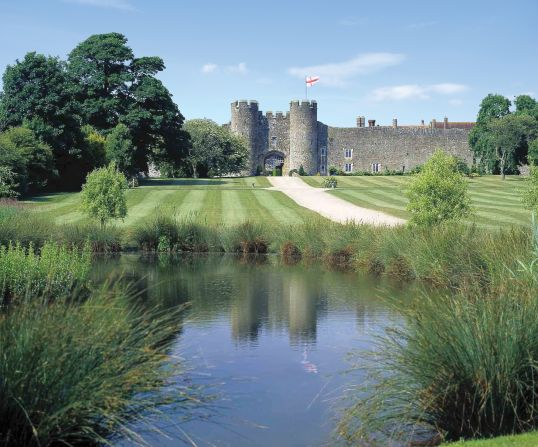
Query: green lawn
(229, 201)
(495, 202)
(524, 440)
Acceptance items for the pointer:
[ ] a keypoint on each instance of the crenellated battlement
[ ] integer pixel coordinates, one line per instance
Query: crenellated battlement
(245, 104)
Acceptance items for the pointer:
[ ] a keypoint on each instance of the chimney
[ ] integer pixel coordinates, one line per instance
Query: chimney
(434, 123)
(360, 121)
(422, 123)
(445, 123)
(395, 123)
(371, 123)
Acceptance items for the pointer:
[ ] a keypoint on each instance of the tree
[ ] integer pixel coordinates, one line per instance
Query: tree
(438, 193)
(30, 160)
(533, 152)
(214, 149)
(509, 135)
(94, 147)
(526, 105)
(492, 107)
(8, 185)
(115, 87)
(530, 192)
(119, 149)
(37, 94)
(103, 194)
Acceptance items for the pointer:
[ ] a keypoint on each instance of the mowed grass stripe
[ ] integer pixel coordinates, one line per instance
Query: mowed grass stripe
(233, 209)
(147, 205)
(273, 202)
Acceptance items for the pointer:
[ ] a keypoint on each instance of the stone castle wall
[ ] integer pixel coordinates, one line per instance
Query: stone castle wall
(302, 140)
(393, 148)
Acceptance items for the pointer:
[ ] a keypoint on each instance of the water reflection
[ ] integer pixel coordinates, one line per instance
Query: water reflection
(274, 337)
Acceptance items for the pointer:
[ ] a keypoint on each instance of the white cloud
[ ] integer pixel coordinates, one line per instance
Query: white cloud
(455, 102)
(123, 5)
(240, 68)
(209, 68)
(337, 74)
(415, 91)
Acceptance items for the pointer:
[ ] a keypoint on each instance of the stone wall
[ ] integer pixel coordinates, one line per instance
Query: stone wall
(393, 148)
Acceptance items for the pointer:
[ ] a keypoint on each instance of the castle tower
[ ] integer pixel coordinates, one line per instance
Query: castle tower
(245, 122)
(304, 136)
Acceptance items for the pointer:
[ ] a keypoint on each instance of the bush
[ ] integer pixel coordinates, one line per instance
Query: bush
(54, 271)
(103, 194)
(463, 365)
(330, 182)
(78, 371)
(293, 171)
(301, 171)
(438, 193)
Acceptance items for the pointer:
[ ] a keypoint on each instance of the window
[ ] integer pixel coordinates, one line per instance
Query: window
(349, 153)
(348, 167)
(376, 167)
(273, 141)
(323, 151)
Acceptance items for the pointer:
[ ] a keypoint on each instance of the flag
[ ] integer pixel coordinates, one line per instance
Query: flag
(311, 80)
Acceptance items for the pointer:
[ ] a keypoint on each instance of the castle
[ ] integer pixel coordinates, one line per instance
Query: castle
(297, 138)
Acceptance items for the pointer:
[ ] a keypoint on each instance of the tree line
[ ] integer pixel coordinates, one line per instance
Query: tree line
(503, 139)
(61, 119)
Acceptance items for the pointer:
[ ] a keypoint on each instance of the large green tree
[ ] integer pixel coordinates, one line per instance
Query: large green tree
(502, 140)
(214, 150)
(36, 94)
(27, 157)
(119, 149)
(509, 137)
(492, 107)
(114, 87)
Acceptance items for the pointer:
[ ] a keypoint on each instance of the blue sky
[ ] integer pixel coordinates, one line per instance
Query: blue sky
(411, 60)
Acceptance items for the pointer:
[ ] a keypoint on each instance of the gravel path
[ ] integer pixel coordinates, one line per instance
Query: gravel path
(329, 206)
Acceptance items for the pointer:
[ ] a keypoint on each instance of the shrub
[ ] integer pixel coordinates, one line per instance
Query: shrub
(438, 193)
(246, 238)
(54, 271)
(293, 171)
(330, 182)
(461, 365)
(301, 171)
(103, 194)
(77, 371)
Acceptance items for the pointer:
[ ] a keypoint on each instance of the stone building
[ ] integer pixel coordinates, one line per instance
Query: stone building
(297, 138)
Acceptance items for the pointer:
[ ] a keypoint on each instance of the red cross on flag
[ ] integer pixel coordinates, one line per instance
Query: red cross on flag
(311, 80)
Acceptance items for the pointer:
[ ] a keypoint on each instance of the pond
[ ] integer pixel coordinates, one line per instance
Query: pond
(269, 338)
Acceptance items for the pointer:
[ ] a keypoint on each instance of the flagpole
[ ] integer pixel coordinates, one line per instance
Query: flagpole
(306, 89)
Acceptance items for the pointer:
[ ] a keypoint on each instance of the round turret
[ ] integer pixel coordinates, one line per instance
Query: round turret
(245, 119)
(304, 136)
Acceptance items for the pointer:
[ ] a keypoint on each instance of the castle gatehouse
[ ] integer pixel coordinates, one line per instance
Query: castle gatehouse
(296, 138)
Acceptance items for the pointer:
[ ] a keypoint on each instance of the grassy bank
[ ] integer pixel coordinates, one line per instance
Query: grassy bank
(496, 203)
(80, 364)
(525, 440)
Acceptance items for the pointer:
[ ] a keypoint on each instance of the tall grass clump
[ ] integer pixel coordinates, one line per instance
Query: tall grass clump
(246, 238)
(84, 371)
(99, 239)
(462, 365)
(53, 271)
(166, 233)
(18, 224)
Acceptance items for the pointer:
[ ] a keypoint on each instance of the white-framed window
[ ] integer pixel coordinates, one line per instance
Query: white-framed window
(376, 167)
(323, 151)
(348, 167)
(348, 153)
